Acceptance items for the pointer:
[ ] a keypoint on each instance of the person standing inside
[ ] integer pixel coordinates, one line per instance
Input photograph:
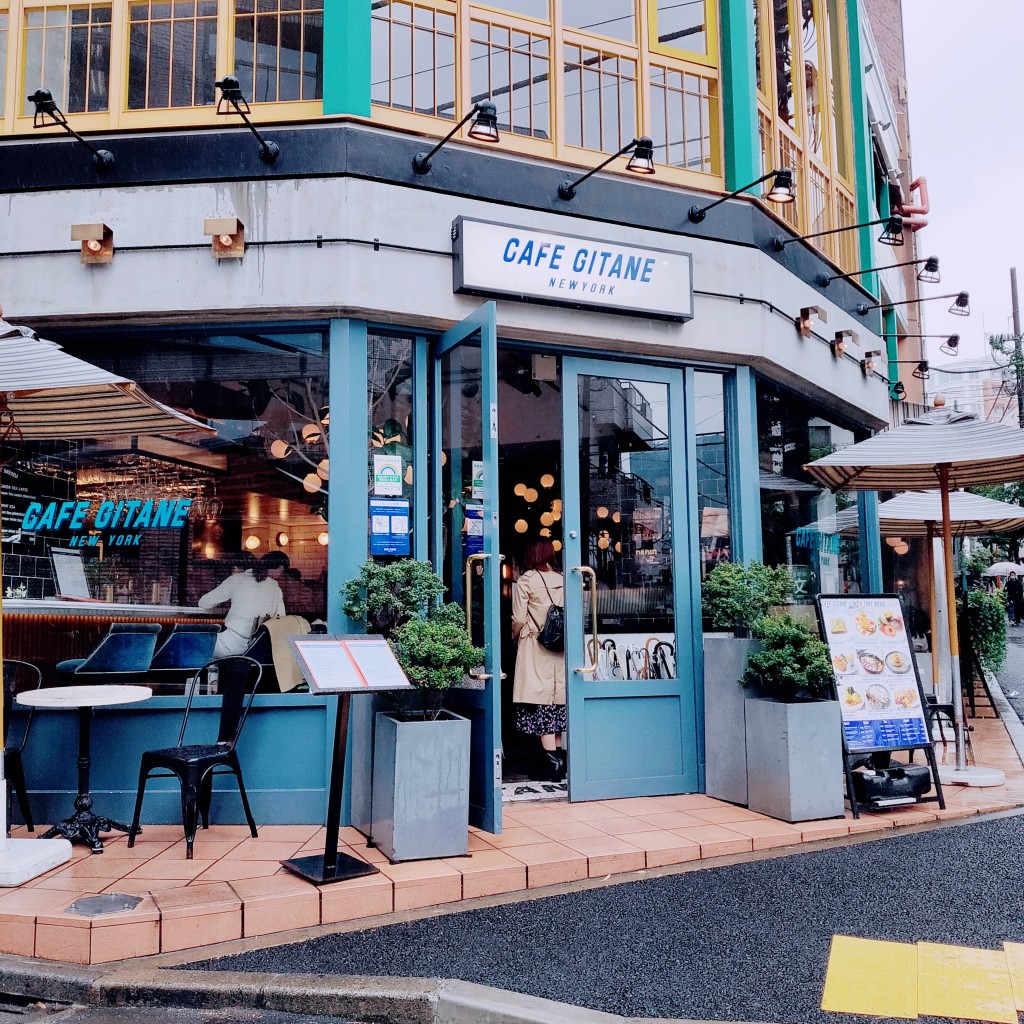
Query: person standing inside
(1014, 597)
(539, 685)
(251, 595)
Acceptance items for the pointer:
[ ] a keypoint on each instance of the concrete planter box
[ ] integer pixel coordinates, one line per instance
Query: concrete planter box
(420, 805)
(794, 759)
(725, 750)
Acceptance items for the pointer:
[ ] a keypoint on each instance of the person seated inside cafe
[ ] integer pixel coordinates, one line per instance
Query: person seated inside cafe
(252, 595)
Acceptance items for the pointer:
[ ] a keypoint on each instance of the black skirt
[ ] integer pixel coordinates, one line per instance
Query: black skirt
(540, 719)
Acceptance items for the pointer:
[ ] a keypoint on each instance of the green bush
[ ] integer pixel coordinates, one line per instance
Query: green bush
(986, 614)
(736, 595)
(384, 597)
(792, 665)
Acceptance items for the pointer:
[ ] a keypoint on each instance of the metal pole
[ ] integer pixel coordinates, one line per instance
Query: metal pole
(954, 635)
(1018, 368)
(933, 611)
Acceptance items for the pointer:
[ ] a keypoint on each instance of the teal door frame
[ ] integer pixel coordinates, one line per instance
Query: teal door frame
(631, 738)
(482, 706)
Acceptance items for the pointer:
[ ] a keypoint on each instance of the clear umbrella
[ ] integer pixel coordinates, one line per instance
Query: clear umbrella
(47, 394)
(949, 449)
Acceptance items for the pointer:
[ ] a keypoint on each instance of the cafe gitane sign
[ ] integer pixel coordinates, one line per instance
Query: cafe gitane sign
(572, 270)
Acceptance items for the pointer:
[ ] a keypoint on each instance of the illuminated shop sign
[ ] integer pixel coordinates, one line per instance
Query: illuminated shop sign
(122, 516)
(572, 270)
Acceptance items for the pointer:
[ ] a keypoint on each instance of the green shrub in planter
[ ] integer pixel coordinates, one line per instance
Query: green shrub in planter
(986, 614)
(383, 597)
(735, 596)
(793, 663)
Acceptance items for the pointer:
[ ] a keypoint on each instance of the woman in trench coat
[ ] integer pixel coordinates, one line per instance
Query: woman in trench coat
(539, 685)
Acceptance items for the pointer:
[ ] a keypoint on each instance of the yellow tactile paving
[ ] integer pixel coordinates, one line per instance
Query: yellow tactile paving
(874, 978)
(972, 984)
(1015, 962)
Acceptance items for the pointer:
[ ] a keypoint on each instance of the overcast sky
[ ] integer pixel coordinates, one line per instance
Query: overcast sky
(965, 69)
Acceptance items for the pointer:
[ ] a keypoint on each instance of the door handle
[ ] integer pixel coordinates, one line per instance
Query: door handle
(585, 570)
(480, 557)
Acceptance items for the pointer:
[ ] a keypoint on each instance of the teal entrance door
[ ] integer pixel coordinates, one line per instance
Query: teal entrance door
(464, 526)
(631, 625)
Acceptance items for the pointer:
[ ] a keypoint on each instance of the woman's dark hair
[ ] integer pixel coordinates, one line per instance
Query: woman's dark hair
(271, 560)
(243, 560)
(540, 553)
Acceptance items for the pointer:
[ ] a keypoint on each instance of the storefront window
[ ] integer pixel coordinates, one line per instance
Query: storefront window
(712, 471)
(143, 529)
(67, 50)
(810, 530)
(279, 49)
(512, 70)
(389, 392)
(172, 55)
(600, 99)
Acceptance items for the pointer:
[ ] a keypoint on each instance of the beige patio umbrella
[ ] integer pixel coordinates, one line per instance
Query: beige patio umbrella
(46, 394)
(946, 448)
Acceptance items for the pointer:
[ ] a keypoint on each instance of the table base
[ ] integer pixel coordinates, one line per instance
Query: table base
(313, 869)
(85, 827)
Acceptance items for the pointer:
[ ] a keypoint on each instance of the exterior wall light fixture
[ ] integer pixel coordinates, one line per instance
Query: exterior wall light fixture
(809, 316)
(921, 368)
(842, 341)
(97, 242)
(951, 346)
(897, 392)
(961, 305)
(228, 235)
(231, 99)
(929, 272)
(782, 192)
(892, 235)
(47, 113)
(484, 129)
(641, 161)
(869, 362)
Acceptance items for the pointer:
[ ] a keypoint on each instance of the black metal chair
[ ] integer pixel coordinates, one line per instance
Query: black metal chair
(235, 679)
(19, 676)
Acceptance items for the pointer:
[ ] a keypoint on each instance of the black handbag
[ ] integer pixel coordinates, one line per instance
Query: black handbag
(551, 635)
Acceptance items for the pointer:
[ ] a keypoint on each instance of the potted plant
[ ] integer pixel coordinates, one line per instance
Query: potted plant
(420, 788)
(735, 596)
(793, 728)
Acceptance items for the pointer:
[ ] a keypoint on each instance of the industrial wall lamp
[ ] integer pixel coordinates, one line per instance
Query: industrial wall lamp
(48, 113)
(961, 305)
(484, 129)
(641, 161)
(231, 99)
(892, 235)
(783, 191)
(842, 341)
(951, 346)
(920, 371)
(870, 361)
(928, 274)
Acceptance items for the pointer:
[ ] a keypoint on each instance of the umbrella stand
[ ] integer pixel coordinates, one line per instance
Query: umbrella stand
(963, 774)
(933, 610)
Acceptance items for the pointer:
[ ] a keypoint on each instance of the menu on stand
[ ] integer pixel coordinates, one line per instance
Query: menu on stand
(880, 697)
(347, 664)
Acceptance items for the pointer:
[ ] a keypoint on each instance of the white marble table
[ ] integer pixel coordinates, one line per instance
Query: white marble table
(84, 826)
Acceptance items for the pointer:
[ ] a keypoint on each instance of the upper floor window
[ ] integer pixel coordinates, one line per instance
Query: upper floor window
(531, 8)
(172, 54)
(838, 83)
(513, 70)
(67, 50)
(614, 18)
(413, 58)
(680, 25)
(682, 124)
(3, 54)
(814, 84)
(279, 49)
(600, 99)
(785, 91)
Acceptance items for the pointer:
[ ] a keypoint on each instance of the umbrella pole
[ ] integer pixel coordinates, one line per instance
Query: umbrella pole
(954, 634)
(933, 610)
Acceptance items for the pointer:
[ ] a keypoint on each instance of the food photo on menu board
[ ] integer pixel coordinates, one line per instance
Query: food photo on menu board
(877, 687)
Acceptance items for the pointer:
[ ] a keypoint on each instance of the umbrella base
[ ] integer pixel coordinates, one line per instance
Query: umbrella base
(975, 775)
(25, 859)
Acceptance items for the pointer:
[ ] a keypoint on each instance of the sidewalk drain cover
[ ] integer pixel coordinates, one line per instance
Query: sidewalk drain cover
(107, 903)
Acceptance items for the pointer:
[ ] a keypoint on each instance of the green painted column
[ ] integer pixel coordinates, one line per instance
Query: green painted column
(347, 57)
(892, 350)
(739, 95)
(870, 543)
(743, 465)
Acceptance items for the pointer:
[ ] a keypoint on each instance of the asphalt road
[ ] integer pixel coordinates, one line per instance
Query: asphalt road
(746, 942)
(157, 1015)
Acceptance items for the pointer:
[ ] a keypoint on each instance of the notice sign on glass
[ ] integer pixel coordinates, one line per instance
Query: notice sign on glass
(880, 698)
(348, 664)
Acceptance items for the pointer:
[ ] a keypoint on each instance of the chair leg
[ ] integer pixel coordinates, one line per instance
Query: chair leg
(16, 776)
(237, 769)
(205, 799)
(190, 785)
(134, 830)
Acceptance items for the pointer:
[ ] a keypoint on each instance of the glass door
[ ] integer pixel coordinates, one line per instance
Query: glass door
(631, 624)
(464, 526)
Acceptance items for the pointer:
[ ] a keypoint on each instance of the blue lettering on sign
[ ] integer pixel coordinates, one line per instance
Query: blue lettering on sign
(509, 255)
(72, 515)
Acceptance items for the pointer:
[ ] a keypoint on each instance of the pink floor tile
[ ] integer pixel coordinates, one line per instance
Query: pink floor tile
(621, 825)
(171, 869)
(672, 819)
(229, 871)
(550, 863)
(569, 830)
(725, 814)
(277, 904)
(489, 873)
(258, 849)
(515, 836)
(17, 934)
(357, 898)
(767, 834)
(716, 840)
(608, 855)
(636, 806)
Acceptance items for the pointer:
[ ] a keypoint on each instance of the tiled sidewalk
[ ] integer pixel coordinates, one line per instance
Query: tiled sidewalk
(236, 886)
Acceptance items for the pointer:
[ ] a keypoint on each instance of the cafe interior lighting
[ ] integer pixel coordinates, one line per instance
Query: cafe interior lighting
(280, 449)
(47, 113)
(312, 483)
(782, 192)
(869, 362)
(928, 274)
(547, 481)
(282, 539)
(97, 242)
(961, 305)
(842, 341)
(894, 541)
(252, 542)
(232, 101)
(227, 236)
(641, 161)
(809, 316)
(483, 129)
(892, 235)
(901, 549)
(322, 538)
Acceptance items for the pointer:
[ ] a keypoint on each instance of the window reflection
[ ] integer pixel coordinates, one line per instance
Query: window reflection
(614, 18)
(512, 70)
(600, 99)
(531, 8)
(813, 81)
(712, 471)
(784, 95)
(279, 48)
(681, 25)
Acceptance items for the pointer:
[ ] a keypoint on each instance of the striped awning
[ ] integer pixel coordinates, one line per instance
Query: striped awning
(971, 515)
(55, 396)
(908, 457)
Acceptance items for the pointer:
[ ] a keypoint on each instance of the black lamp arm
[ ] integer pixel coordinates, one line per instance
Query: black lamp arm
(568, 188)
(422, 160)
(85, 142)
(907, 302)
(872, 270)
(783, 242)
(699, 212)
(268, 150)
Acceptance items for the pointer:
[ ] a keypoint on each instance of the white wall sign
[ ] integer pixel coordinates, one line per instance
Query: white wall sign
(572, 270)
